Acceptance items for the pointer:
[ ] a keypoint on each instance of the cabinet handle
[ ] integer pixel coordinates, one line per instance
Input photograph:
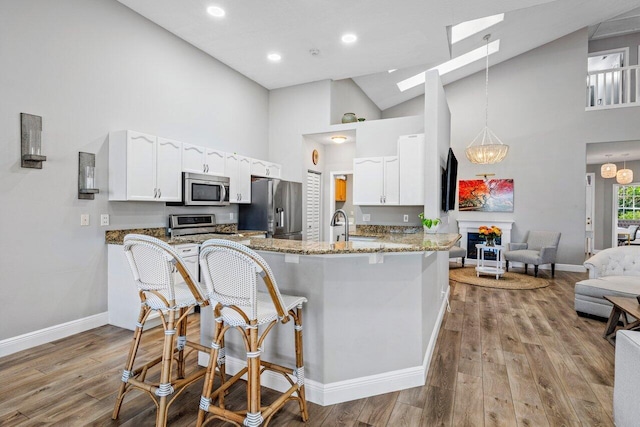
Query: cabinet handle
(155, 193)
(159, 193)
(207, 168)
(204, 168)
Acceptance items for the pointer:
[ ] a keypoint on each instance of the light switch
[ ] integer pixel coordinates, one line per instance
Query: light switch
(84, 219)
(366, 217)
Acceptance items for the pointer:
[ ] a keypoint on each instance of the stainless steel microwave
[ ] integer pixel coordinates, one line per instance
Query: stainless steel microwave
(204, 190)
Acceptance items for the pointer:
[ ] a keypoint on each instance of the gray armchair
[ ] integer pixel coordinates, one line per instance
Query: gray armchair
(540, 248)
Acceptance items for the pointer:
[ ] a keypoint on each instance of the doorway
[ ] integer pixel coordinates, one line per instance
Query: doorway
(339, 199)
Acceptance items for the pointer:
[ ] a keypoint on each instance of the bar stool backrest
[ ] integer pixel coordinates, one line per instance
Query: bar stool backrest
(153, 263)
(230, 272)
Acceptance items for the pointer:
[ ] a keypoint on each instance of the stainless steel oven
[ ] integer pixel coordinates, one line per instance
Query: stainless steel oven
(204, 190)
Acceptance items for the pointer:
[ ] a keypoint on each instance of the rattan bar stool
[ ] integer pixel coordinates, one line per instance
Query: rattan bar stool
(231, 272)
(153, 264)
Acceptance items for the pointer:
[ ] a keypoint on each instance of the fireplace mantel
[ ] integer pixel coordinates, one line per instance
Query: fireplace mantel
(467, 226)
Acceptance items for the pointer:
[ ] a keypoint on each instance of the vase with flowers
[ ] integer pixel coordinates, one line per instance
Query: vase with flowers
(430, 225)
(490, 234)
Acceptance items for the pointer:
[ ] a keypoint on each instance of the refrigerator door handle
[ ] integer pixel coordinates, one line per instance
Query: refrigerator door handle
(280, 211)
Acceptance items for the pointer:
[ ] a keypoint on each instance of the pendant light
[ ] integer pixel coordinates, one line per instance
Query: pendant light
(488, 152)
(624, 175)
(608, 170)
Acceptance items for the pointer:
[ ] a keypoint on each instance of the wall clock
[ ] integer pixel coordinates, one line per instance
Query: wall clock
(314, 157)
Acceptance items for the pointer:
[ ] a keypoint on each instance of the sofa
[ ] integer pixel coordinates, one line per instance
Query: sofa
(626, 410)
(613, 271)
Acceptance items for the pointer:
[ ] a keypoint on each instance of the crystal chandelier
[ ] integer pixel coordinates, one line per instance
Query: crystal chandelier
(491, 149)
(608, 170)
(624, 175)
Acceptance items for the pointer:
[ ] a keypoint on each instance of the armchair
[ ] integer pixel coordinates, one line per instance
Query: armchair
(629, 236)
(541, 247)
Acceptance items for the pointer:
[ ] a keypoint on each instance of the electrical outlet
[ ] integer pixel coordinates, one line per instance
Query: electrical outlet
(84, 219)
(366, 217)
(104, 219)
(231, 216)
(406, 218)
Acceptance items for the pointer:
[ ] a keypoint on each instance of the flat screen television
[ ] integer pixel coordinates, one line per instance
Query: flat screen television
(449, 182)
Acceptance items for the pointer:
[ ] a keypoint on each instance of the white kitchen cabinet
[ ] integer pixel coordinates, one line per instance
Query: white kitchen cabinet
(266, 169)
(144, 167)
(238, 169)
(189, 254)
(376, 181)
(411, 175)
(198, 159)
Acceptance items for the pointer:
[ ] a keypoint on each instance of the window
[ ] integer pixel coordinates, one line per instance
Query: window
(629, 202)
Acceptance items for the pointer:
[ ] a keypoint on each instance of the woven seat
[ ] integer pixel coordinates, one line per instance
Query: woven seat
(153, 264)
(231, 273)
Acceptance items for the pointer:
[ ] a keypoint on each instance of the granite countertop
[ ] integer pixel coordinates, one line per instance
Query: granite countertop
(382, 242)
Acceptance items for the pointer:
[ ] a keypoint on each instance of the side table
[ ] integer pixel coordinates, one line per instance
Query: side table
(622, 308)
(482, 268)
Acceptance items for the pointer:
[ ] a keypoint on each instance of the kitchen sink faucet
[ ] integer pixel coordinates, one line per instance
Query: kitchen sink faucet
(334, 222)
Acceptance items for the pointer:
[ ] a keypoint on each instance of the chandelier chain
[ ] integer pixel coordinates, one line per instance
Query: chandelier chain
(486, 88)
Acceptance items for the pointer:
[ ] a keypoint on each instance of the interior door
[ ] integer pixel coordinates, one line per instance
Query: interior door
(313, 206)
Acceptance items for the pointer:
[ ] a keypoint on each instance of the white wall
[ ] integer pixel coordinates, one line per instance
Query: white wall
(89, 67)
(293, 112)
(412, 107)
(347, 97)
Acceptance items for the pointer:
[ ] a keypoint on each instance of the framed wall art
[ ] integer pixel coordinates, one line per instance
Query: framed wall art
(492, 195)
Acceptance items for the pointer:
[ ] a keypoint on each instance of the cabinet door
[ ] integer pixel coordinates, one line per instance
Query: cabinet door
(274, 170)
(391, 181)
(169, 170)
(368, 181)
(244, 179)
(214, 161)
(341, 190)
(193, 158)
(231, 170)
(258, 167)
(411, 157)
(141, 166)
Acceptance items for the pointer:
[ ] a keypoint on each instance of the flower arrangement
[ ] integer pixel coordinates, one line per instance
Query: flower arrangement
(428, 222)
(489, 233)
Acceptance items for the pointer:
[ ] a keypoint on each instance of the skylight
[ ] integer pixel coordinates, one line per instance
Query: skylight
(468, 28)
(451, 65)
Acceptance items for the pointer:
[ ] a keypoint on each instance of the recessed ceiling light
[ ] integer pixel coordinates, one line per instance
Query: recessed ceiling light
(468, 28)
(338, 139)
(451, 65)
(216, 11)
(274, 57)
(391, 71)
(349, 38)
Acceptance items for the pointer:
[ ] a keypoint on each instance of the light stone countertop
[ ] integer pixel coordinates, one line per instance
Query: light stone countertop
(384, 242)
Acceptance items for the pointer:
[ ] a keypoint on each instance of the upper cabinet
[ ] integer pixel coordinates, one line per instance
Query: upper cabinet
(266, 169)
(391, 180)
(376, 181)
(200, 159)
(144, 167)
(411, 175)
(238, 169)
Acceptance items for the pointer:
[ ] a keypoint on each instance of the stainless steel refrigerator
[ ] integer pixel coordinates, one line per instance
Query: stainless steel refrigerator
(276, 206)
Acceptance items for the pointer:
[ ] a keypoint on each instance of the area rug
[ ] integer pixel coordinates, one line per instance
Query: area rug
(507, 280)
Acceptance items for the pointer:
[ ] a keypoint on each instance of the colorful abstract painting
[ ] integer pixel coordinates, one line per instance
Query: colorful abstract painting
(494, 195)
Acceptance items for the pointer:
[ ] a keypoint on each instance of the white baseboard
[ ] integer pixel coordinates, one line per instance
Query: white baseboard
(356, 388)
(559, 267)
(52, 333)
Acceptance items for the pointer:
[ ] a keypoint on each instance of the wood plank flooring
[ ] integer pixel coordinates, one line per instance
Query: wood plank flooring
(503, 358)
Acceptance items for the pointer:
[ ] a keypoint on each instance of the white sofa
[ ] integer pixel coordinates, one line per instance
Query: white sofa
(613, 271)
(626, 410)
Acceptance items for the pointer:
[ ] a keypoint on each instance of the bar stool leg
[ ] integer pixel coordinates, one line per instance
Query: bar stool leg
(165, 389)
(207, 388)
(254, 416)
(302, 400)
(133, 351)
(182, 341)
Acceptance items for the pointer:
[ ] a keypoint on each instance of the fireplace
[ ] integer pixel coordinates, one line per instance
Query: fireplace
(474, 239)
(469, 227)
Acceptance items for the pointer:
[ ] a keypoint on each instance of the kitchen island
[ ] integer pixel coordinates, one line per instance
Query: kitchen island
(373, 313)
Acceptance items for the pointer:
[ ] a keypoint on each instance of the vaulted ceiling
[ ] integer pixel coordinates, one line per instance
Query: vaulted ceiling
(408, 35)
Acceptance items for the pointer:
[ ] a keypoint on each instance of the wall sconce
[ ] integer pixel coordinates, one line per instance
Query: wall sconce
(31, 141)
(87, 176)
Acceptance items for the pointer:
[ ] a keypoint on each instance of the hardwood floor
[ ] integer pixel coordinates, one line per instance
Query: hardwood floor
(503, 358)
